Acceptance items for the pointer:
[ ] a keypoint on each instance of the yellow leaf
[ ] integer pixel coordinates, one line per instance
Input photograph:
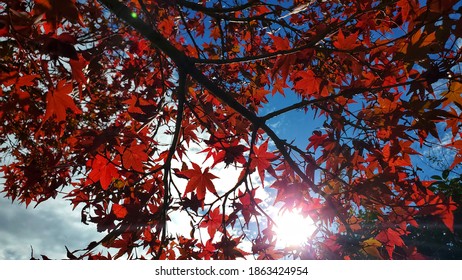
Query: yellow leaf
(372, 242)
(119, 184)
(236, 48)
(370, 247)
(453, 95)
(332, 187)
(420, 39)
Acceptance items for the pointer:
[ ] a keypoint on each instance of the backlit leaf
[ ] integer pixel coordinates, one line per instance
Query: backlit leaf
(347, 42)
(370, 246)
(261, 159)
(103, 171)
(58, 101)
(453, 95)
(213, 221)
(119, 211)
(199, 181)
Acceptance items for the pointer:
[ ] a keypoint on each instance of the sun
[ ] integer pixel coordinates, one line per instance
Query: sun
(293, 229)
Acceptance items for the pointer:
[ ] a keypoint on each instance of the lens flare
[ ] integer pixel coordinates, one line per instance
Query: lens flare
(293, 229)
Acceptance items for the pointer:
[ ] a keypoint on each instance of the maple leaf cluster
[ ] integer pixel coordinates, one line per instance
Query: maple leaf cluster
(114, 110)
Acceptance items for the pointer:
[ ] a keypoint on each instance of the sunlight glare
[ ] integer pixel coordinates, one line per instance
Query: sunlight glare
(293, 229)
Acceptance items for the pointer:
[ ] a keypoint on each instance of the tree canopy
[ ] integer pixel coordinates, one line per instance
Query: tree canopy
(108, 103)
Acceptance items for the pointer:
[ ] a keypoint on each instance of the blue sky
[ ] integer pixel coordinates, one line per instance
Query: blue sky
(294, 125)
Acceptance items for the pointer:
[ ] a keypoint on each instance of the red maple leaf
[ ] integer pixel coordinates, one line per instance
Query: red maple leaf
(207, 250)
(261, 159)
(347, 43)
(308, 83)
(134, 156)
(77, 66)
(447, 214)
(213, 222)
(193, 203)
(249, 201)
(199, 181)
(280, 43)
(58, 101)
(390, 238)
(228, 247)
(316, 140)
(103, 171)
(226, 152)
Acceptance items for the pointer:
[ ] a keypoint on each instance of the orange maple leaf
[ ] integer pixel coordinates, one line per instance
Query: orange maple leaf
(199, 181)
(453, 95)
(58, 101)
(215, 33)
(421, 39)
(119, 211)
(310, 84)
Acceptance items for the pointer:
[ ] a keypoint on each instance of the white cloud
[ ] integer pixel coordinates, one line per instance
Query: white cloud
(47, 228)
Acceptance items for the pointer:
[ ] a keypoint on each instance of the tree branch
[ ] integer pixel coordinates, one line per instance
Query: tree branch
(167, 166)
(187, 68)
(214, 11)
(182, 61)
